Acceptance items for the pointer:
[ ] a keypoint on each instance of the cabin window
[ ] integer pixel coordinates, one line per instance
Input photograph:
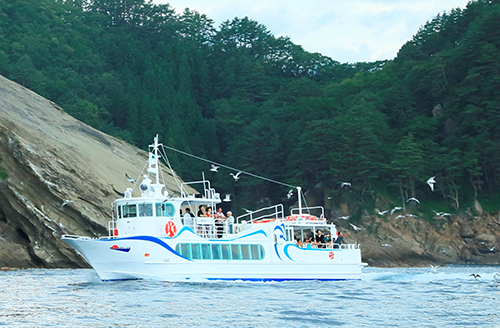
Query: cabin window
(255, 251)
(245, 253)
(221, 251)
(206, 253)
(145, 209)
(216, 254)
(235, 252)
(119, 212)
(130, 211)
(195, 251)
(165, 209)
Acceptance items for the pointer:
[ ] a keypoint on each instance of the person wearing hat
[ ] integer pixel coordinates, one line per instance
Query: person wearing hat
(230, 221)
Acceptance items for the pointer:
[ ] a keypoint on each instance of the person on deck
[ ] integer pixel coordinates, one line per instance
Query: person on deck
(201, 210)
(320, 239)
(340, 239)
(219, 222)
(188, 218)
(230, 221)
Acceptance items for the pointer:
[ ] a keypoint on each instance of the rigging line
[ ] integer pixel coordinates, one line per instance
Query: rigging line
(174, 174)
(231, 168)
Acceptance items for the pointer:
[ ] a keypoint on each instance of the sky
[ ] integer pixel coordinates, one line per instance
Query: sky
(347, 31)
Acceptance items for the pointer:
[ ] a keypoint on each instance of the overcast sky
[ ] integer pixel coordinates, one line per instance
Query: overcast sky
(347, 30)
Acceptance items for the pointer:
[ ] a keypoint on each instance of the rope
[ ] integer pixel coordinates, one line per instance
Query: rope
(230, 168)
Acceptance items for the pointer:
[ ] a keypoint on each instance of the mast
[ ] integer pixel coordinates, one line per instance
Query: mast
(299, 193)
(153, 160)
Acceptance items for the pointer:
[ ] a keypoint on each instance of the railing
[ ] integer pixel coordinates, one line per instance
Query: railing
(271, 212)
(303, 210)
(329, 246)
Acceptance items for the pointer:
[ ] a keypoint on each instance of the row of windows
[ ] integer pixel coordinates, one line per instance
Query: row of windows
(145, 209)
(221, 251)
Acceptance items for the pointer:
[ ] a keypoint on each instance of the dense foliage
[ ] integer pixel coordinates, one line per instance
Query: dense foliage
(238, 95)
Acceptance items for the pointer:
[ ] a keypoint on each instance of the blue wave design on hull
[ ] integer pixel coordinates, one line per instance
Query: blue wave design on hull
(153, 240)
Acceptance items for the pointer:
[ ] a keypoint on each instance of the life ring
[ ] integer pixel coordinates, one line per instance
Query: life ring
(265, 221)
(331, 255)
(170, 229)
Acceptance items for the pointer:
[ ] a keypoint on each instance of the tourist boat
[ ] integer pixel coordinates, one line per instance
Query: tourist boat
(149, 239)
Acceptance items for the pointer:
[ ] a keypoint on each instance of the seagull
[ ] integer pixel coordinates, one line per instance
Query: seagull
(491, 249)
(434, 268)
(247, 210)
(355, 228)
(290, 194)
(413, 199)
(399, 217)
(66, 202)
(386, 245)
(236, 176)
(345, 184)
(475, 275)
(397, 208)
(431, 182)
(411, 216)
(383, 212)
(214, 168)
(227, 198)
(441, 214)
(343, 218)
(129, 178)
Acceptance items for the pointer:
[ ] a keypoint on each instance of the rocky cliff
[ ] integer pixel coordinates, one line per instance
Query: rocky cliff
(46, 158)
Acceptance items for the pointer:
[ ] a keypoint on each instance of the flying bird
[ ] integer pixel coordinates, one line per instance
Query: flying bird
(434, 268)
(343, 218)
(475, 275)
(290, 194)
(399, 217)
(386, 245)
(236, 176)
(411, 216)
(431, 182)
(247, 210)
(397, 208)
(129, 178)
(66, 202)
(345, 184)
(355, 228)
(383, 212)
(413, 199)
(491, 249)
(214, 168)
(227, 198)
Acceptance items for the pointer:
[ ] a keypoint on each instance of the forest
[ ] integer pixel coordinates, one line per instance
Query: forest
(236, 94)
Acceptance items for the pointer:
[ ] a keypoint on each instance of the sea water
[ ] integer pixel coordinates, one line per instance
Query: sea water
(396, 297)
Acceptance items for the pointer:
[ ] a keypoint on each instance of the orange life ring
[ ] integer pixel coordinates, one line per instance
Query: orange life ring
(170, 229)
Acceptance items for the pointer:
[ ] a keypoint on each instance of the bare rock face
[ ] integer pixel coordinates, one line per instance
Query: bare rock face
(46, 158)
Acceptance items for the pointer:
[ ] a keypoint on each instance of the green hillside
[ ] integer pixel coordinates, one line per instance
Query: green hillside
(238, 95)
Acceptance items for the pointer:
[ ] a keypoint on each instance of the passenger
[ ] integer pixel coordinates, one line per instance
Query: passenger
(320, 239)
(230, 221)
(201, 210)
(328, 239)
(220, 219)
(188, 218)
(340, 239)
(209, 227)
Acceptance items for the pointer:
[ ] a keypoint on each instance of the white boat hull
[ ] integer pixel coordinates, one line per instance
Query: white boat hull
(146, 257)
